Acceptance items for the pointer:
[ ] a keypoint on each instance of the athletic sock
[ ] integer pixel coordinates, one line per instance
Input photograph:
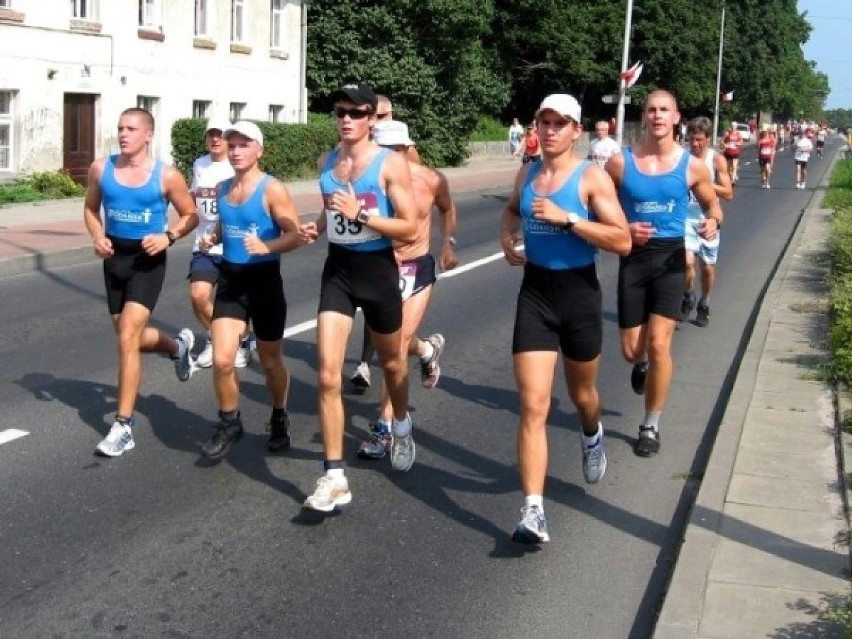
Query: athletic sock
(428, 352)
(652, 420)
(402, 428)
(534, 500)
(335, 473)
(590, 441)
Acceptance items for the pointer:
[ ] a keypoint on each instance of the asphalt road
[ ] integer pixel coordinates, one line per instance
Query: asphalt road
(158, 543)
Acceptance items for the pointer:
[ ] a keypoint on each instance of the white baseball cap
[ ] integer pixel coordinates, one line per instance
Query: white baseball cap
(391, 133)
(246, 128)
(222, 124)
(563, 104)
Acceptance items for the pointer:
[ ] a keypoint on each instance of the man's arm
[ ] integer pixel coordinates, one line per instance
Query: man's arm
(281, 209)
(178, 195)
(510, 222)
(723, 187)
(447, 211)
(92, 210)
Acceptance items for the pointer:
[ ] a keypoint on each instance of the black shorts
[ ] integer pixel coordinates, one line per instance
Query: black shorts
(253, 292)
(802, 163)
(204, 267)
(416, 275)
(820, 144)
(369, 279)
(131, 275)
(764, 161)
(651, 280)
(559, 309)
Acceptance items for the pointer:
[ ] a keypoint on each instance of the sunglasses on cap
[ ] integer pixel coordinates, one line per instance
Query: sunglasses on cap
(355, 114)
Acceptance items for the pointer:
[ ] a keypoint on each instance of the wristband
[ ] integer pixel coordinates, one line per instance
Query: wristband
(172, 237)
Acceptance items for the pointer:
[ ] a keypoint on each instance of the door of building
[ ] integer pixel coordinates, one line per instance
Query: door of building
(78, 143)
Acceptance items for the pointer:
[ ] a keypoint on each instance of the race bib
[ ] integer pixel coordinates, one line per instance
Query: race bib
(765, 151)
(343, 231)
(407, 279)
(205, 200)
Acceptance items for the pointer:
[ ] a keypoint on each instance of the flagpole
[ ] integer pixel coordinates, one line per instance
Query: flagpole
(622, 85)
(719, 78)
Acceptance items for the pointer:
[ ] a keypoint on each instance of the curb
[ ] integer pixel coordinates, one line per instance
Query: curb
(683, 603)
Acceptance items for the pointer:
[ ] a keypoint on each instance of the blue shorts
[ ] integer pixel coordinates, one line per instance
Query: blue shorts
(707, 250)
(204, 268)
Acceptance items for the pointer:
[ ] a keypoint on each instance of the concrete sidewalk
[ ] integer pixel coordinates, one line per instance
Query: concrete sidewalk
(41, 236)
(766, 549)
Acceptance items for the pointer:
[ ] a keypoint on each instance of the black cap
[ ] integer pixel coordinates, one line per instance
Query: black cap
(357, 93)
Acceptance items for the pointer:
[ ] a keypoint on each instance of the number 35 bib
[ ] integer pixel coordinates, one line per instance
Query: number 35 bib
(343, 231)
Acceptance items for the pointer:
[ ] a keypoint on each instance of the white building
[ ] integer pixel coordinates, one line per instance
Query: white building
(69, 67)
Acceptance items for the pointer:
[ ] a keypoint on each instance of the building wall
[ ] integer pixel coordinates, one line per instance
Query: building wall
(45, 53)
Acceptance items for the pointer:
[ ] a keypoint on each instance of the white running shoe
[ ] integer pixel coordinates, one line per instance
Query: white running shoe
(183, 364)
(403, 450)
(532, 529)
(594, 460)
(205, 357)
(119, 439)
(361, 377)
(330, 492)
(243, 354)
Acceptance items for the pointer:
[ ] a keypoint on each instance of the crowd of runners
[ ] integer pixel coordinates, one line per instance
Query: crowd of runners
(656, 204)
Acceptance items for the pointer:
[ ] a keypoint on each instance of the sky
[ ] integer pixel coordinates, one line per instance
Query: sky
(830, 46)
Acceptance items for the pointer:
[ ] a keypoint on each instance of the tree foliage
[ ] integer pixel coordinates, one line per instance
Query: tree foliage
(444, 63)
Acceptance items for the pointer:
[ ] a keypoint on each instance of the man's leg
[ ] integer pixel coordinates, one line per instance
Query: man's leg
(225, 332)
(201, 297)
(395, 368)
(278, 384)
(634, 350)
(708, 280)
(332, 488)
(660, 332)
(581, 378)
(361, 378)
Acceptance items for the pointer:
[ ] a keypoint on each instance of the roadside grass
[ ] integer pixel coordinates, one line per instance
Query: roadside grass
(839, 198)
(46, 185)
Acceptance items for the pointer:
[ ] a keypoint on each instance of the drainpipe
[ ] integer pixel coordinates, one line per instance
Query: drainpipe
(303, 92)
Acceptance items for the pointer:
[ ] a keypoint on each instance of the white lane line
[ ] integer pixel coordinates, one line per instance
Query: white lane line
(11, 434)
(312, 324)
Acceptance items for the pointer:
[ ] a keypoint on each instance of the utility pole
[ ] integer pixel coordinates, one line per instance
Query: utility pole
(622, 84)
(719, 79)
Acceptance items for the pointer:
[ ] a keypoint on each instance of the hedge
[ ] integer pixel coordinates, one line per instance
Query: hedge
(839, 197)
(290, 150)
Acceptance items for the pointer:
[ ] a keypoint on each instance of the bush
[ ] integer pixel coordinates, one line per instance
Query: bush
(839, 197)
(290, 150)
(489, 130)
(46, 185)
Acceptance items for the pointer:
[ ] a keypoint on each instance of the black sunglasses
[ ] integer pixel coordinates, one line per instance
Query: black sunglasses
(355, 114)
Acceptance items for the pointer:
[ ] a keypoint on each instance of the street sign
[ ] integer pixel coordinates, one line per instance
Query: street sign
(612, 98)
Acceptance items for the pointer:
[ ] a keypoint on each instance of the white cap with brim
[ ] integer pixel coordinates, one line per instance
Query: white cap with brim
(220, 124)
(563, 104)
(247, 129)
(391, 133)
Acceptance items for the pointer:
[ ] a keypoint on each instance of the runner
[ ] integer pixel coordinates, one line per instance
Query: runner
(566, 208)
(368, 203)
(820, 139)
(207, 172)
(416, 277)
(732, 144)
(699, 131)
(135, 191)
(765, 157)
(801, 154)
(531, 146)
(603, 147)
(654, 179)
(257, 221)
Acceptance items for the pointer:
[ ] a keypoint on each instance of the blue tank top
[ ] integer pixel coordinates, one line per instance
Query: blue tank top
(550, 246)
(695, 213)
(368, 189)
(250, 217)
(132, 212)
(662, 200)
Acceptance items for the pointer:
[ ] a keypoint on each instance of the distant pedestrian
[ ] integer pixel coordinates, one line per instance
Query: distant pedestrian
(135, 191)
(530, 145)
(516, 132)
(602, 147)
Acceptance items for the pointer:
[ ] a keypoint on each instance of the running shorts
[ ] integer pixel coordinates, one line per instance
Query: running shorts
(204, 267)
(416, 275)
(650, 281)
(131, 275)
(253, 292)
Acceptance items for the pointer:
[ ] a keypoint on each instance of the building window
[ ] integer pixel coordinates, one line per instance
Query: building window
(150, 14)
(84, 9)
(275, 112)
(276, 24)
(236, 111)
(200, 108)
(202, 18)
(239, 20)
(5, 4)
(7, 104)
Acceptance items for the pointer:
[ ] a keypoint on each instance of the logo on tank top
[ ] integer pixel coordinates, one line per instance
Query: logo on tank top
(653, 208)
(536, 227)
(129, 217)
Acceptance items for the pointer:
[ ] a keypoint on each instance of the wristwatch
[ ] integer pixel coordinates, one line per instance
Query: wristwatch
(172, 237)
(573, 218)
(363, 215)
(451, 241)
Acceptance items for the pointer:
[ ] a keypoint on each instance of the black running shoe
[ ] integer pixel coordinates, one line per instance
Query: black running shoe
(702, 315)
(227, 432)
(648, 443)
(637, 377)
(279, 434)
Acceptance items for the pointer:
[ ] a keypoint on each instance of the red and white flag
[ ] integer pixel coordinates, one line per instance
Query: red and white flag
(728, 97)
(631, 75)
